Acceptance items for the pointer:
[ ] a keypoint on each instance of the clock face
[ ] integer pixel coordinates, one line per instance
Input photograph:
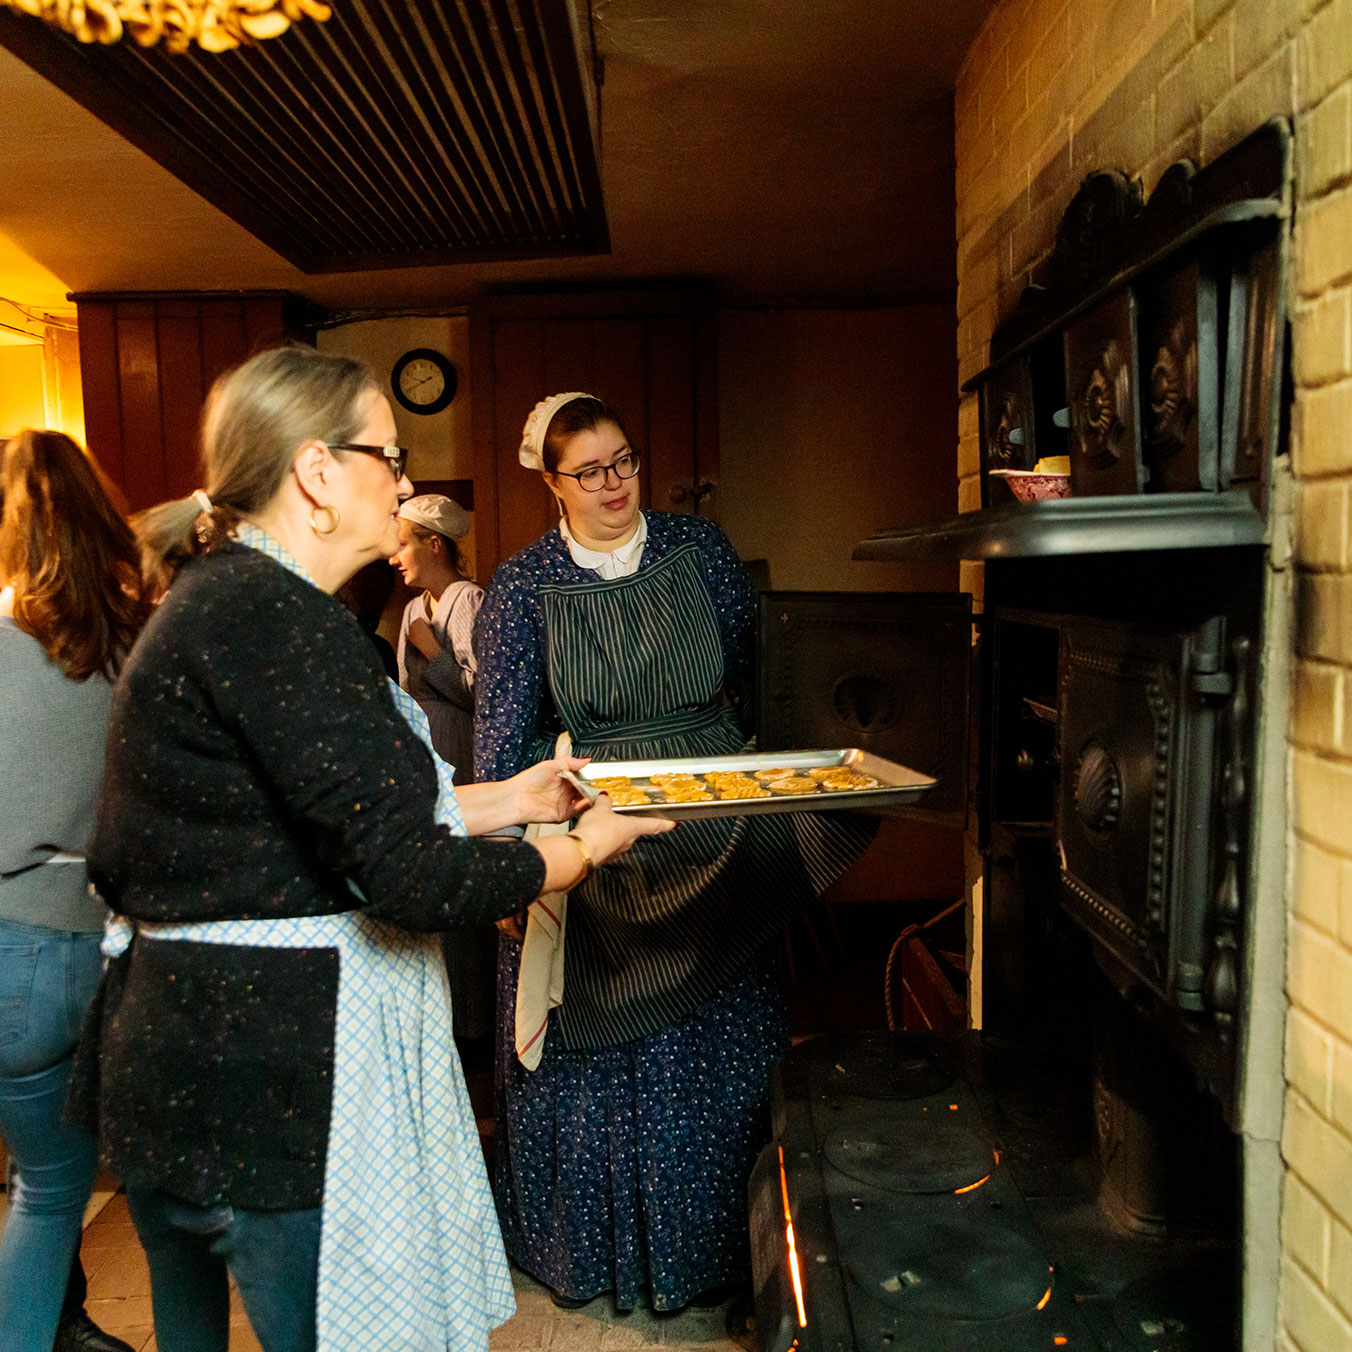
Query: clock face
(423, 381)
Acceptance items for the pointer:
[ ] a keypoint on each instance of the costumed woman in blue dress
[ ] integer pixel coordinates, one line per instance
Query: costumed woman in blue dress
(623, 1155)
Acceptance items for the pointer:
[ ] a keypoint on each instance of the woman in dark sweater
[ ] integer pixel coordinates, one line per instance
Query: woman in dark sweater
(277, 1082)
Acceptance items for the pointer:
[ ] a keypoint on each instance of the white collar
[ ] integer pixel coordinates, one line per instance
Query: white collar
(618, 562)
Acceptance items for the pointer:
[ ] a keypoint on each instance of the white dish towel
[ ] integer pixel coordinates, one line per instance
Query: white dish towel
(539, 985)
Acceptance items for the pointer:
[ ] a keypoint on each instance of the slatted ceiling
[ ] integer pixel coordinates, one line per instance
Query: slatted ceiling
(393, 135)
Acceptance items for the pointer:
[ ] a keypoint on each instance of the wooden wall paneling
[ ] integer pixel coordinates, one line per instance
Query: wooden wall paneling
(138, 369)
(671, 412)
(569, 355)
(98, 379)
(525, 507)
(225, 340)
(482, 397)
(264, 323)
(706, 409)
(181, 394)
(621, 381)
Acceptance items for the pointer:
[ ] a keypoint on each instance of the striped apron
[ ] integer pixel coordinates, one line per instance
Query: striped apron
(661, 929)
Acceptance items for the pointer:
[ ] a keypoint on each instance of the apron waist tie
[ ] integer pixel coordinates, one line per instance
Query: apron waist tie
(683, 720)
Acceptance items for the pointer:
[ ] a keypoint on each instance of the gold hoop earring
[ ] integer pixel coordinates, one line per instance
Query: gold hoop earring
(329, 529)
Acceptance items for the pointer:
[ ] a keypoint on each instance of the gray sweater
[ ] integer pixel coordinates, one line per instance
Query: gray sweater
(52, 734)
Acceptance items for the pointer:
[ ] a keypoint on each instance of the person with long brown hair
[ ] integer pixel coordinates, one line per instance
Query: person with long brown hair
(70, 606)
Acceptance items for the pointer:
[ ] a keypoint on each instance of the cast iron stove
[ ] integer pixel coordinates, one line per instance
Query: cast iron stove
(907, 1202)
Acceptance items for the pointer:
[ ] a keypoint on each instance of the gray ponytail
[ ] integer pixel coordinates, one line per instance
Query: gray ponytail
(255, 419)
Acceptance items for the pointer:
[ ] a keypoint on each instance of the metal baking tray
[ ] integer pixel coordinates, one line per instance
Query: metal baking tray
(899, 785)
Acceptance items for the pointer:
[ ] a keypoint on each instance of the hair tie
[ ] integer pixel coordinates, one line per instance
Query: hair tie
(532, 452)
(199, 496)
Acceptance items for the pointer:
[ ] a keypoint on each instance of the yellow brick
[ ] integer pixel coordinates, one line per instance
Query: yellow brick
(1345, 901)
(969, 494)
(1323, 426)
(1323, 621)
(1339, 1283)
(1309, 1316)
(1324, 242)
(1050, 49)
(1319, 978)
(1121, 24)
(1320, 1154)
(969, 455)
(1325, 46)
(969, 415)
(1207, 12)
(1340, 1105)
(1324, 144)
(1267, 91)
(1322, 335)
(1195, 84)
(1322, 525)
(1260, 28)
(977, 282)
(1309, 1060)
(1306, 1228)
(1316, 886)
(1013, 103)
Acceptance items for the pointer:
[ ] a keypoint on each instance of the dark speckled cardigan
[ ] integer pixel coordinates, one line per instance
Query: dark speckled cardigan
(255, 762)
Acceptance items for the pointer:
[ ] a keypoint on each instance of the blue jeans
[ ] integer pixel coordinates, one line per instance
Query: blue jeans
(47, 980)
(191, 1250)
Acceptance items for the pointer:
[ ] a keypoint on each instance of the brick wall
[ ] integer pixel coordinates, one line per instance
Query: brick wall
(1048, 91)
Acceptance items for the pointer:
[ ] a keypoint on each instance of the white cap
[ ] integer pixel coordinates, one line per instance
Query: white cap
(532, 452)
(437, 513)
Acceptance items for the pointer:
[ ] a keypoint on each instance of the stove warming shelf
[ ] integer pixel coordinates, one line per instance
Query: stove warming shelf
(1102, 525)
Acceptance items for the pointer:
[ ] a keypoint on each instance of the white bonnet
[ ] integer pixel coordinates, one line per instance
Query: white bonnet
(437, 513)
(532, 452)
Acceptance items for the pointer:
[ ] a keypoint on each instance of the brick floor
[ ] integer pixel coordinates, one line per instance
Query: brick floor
(119, 1302)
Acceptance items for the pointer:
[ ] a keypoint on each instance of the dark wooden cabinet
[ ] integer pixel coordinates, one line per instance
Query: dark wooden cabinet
(650, 355)
(147, 360)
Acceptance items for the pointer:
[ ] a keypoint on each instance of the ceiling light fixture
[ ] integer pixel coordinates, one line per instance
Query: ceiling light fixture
(214, 25)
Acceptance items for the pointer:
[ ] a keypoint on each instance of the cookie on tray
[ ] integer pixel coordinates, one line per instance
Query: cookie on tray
(850, 783)
(626, 796)
(775, 772)
(793, 785)
(745, 789)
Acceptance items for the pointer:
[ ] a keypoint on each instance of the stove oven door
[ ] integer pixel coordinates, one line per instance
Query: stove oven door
(1138, 754)
(885, 672)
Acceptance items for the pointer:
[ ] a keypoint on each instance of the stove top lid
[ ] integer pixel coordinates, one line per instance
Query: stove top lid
(950, 1269)
(882, 1065)
(929, 1157)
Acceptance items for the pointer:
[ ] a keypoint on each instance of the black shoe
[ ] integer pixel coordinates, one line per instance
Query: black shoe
(79, 1333)
(569, 1302)
(716, 1295)
(740, 1322)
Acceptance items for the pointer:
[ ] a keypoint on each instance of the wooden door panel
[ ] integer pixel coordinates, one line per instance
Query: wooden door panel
(98, 382)
(621, 382)
(225, 340)
(181, 394)
(524, 507)
(671, 413)
(138, 373)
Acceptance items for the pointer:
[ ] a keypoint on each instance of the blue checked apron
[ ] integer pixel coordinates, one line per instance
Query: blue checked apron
(663, 927)
(410, 1252)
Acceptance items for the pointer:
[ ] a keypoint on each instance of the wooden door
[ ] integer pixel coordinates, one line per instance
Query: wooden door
(147, 361)
(650, 356)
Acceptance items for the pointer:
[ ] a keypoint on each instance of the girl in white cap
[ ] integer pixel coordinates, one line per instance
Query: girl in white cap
(436, 654)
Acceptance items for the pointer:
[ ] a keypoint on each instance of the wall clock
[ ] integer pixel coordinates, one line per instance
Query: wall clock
(423, 380)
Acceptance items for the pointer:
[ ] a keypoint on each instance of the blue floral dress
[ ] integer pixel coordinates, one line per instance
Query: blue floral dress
(622, 1160)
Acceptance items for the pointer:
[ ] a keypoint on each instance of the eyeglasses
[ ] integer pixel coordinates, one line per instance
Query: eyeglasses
(593, 479)
(395, 457)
